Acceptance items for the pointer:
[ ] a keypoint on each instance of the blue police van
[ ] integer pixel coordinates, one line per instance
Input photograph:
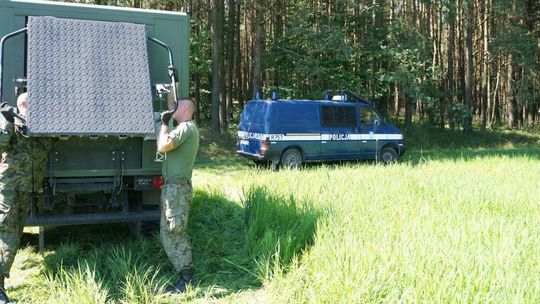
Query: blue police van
(341, 127)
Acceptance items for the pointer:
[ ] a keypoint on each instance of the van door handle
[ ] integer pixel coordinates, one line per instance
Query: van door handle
(364, 141)
(323, 142)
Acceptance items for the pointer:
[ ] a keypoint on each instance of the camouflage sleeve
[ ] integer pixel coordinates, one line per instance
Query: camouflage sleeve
(6, 130)
(20, 127)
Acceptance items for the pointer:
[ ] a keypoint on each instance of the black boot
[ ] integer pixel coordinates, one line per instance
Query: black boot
(3, 296)
(186, 279)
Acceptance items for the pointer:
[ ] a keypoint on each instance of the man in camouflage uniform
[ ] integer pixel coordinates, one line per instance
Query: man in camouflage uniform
(180, 147)
(22, 171)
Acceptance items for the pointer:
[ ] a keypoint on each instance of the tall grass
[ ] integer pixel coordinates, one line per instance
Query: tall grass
(278, 229)
(108, 273)
(74, 286)
(442, 226)
(449, 231)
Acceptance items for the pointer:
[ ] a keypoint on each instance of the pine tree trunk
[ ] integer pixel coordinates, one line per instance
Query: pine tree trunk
(396, 101)
(440, 64)
(510, 102)
(238, 60)
(450, 69)
(408, 110)
(258, 49)
(229, 62)
(217, 63)
(484, 8)
(531, 115)
(494, 116)
(248, 52)
(467, 122)
(489, 88)
(533, 23)
(461, 56)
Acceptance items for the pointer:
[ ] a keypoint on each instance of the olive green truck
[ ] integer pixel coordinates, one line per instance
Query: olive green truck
(97, 78)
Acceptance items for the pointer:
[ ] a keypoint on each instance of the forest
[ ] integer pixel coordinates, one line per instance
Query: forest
(456, 64)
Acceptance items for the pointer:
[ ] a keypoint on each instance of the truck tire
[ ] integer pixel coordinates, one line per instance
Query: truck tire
(388, 156)
(291, 159)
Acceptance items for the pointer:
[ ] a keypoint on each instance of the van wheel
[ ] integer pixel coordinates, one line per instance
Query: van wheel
(387, 155)
(291, 159)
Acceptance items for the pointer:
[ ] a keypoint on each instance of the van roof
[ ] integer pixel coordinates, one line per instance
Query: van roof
(310, 101)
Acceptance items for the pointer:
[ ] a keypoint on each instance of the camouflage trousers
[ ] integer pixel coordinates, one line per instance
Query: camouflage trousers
(175, 205)
(13, 213)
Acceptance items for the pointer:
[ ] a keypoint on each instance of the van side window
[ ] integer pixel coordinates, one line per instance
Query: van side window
(296, 117)
(367, 116)
(338, 117)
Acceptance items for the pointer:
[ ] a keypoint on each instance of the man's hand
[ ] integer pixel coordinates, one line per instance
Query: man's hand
(21, 128)
(164, 142)
(165, 117)
(7, 111)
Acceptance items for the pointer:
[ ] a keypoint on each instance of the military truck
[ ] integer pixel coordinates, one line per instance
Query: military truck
(97, 78)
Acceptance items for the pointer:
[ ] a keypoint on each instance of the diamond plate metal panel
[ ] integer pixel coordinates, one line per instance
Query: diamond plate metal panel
(88, 78)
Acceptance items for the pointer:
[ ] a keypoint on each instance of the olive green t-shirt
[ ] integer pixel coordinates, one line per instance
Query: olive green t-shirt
(178, 162)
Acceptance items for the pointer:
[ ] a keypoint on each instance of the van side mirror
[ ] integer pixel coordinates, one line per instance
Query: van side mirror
(377, 122)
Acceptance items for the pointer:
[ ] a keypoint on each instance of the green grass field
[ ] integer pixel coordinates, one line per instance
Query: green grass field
(456, 221)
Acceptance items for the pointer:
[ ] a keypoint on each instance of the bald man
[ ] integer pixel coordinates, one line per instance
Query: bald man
(22, 170)
(180, 147)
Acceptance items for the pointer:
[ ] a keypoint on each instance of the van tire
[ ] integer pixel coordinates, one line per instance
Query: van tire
(388, 156)
(291, 159)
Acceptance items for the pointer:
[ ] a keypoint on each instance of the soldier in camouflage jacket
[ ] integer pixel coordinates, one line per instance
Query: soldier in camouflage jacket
(22, 170)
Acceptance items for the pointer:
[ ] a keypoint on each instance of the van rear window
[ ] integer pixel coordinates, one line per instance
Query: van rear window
(254, 113)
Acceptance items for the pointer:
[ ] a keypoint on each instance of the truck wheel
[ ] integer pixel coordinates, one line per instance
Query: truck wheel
(291, 159)
(388, 155)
